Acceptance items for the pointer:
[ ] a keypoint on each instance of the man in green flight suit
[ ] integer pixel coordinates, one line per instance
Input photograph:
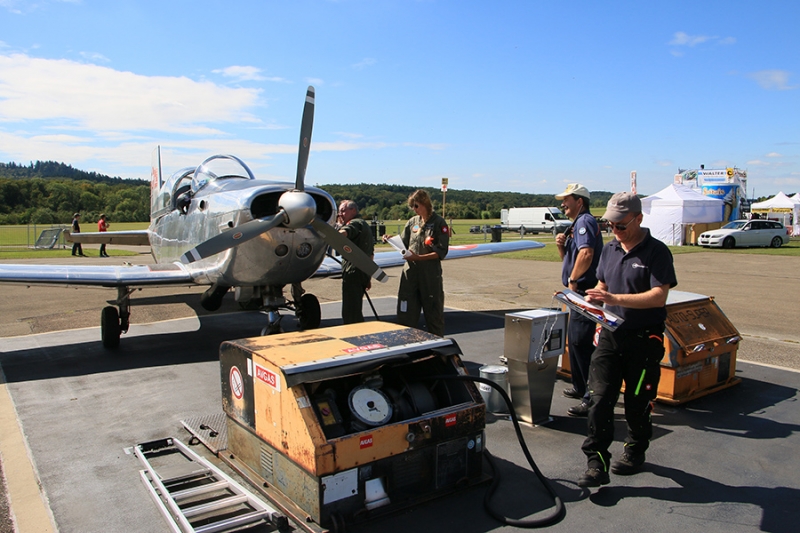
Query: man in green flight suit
(354, 282)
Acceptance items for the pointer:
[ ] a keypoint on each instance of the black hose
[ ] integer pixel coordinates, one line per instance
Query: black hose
(559, 512)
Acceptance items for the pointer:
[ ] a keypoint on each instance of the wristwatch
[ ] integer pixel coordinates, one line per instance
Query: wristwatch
(570, 281)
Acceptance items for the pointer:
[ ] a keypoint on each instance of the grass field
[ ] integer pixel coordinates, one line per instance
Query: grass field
(16, 242)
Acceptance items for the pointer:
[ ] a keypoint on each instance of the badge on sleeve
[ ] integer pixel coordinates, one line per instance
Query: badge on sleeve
(445, 229)
(582, 231)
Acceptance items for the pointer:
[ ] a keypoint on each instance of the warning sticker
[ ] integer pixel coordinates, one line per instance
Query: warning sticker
(365, 442)
(269, 377)
(237, 383)
(364, 348)
(450, 420)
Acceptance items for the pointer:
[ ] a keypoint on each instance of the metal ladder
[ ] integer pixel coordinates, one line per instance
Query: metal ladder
(195, 496)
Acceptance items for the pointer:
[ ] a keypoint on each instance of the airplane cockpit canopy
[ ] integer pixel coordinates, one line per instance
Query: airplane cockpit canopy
(220, 167)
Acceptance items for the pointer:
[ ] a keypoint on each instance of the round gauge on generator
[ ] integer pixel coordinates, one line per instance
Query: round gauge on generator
(370, 406)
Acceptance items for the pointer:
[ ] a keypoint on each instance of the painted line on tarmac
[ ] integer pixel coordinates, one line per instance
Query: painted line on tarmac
(27, 502)
(776, 367)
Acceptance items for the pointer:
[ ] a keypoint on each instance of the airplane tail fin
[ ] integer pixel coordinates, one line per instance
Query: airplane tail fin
(156, 181)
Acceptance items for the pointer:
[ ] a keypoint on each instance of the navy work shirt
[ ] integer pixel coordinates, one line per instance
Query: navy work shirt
(584, 233)
(649, 264)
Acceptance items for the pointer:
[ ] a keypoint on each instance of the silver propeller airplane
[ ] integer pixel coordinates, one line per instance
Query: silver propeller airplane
(218, 225)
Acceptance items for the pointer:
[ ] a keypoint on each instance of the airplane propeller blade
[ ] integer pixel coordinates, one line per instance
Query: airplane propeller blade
(234, 237)
(305, 139)
(349, 251)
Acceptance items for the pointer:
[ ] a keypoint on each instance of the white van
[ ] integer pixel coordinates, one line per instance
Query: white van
(534, 220)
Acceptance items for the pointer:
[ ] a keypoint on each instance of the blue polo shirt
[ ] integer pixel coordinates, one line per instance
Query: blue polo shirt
(584, 233)
(649, 264)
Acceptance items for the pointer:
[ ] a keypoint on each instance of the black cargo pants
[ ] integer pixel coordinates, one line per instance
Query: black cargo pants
(632, 357)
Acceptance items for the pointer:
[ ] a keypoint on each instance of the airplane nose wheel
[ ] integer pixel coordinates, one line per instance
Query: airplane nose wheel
(309, 313)
(110, 328)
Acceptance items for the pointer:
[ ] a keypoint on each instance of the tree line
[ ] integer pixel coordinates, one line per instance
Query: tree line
(47, 192)
(390, 202)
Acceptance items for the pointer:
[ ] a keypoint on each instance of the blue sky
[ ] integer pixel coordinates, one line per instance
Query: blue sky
(494, 95)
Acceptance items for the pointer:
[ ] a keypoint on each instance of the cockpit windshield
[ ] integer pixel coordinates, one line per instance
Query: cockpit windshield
(220, 167)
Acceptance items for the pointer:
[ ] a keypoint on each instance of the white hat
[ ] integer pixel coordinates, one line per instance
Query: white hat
(574, 188)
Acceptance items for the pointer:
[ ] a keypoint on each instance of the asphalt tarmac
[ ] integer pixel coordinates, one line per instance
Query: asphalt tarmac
(758, 293)
(724, 462)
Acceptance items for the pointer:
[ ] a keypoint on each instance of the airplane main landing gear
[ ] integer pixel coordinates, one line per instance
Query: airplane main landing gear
(110, 330)
(211, 300)
(113, 322)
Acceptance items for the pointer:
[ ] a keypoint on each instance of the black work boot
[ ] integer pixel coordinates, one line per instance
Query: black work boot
(630, 463)
(594, 477)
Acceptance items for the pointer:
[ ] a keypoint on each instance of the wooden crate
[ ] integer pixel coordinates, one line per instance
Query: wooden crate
(683, 383)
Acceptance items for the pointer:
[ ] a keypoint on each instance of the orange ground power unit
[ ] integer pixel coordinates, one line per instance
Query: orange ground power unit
(344, 423)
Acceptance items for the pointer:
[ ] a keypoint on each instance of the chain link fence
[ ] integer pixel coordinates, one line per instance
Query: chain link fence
(44, 236)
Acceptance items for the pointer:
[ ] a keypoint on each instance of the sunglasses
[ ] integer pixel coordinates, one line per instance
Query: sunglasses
(620, 227)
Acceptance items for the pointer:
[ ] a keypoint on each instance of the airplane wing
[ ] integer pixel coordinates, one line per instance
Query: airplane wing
(97, 276)
(128, 238)
(331, 267)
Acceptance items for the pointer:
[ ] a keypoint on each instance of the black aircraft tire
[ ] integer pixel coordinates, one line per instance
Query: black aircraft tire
(309, 313)
(110, 329)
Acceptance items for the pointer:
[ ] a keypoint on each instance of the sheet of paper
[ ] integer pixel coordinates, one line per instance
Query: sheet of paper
(397, 244)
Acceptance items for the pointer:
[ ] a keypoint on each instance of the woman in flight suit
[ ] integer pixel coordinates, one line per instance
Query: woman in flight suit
(426, 236)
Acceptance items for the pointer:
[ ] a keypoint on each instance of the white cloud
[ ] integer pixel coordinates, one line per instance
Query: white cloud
(102, 119)
(772, 80)
(314, 81)
(102, 99)
(758, 163)
(245, 73)
(240, 73)
(364, 63)
(684, 39)
(774, 154)
(94, 57)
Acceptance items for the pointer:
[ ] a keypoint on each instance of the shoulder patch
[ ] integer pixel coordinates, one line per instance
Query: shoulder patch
(582, 231)
(445, 229)
(415, 228)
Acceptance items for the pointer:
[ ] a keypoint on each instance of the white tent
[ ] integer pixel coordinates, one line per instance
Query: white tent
(782, 206)
(796, 226)
(667, 211)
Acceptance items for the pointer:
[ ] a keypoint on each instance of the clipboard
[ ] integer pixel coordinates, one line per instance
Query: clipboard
(600, 315)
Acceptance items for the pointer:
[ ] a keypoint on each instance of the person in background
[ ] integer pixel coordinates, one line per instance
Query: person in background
(426, 237)
(102, 226)
(634, 275)
(355, 282)
(77, 249)
(580, 248)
